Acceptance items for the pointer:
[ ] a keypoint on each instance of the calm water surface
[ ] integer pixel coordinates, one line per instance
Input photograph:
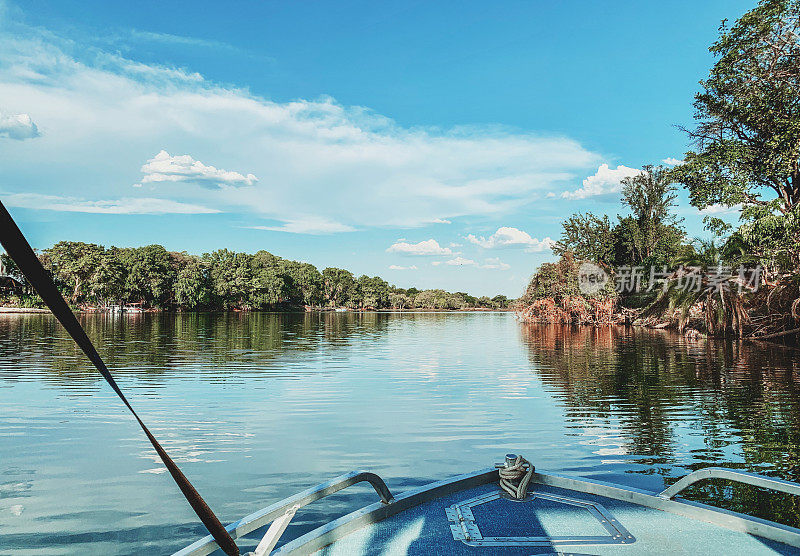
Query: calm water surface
(255, 407)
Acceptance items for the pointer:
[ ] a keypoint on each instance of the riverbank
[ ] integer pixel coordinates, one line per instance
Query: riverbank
(24, 310)
(759, 316)
(151, 276)
(693, 300)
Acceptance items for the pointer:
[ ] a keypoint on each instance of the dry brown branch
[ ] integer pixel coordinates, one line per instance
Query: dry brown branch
(775, 335)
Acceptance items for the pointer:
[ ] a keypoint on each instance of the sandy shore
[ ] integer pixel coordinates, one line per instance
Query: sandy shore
(11, 310)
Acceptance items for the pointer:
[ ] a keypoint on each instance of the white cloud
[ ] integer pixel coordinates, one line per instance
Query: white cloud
(604, 181)
(495, 263)
(458, 261)
(669, 161)
(721, 209)
(183, 168)
(511, 237)
(130, 39)
(425, 248)
(315, 158)
(17, 126)
(128, 205)
(398, 267)
(308, 225)
(167, 38)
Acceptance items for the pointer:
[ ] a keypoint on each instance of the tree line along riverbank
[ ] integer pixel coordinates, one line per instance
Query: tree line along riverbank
(744, 278)
(91, 276)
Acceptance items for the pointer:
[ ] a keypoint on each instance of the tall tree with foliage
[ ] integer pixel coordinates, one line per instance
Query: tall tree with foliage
(556, 280)
(150, 275)
(107, 283)
(269, 286)
(373, 291)
(339, 286)
(588, 237)
(747, 136)
(303, 282)
(400, 300)
(12, 270)
(500, 302)
(231, 277)
(652, 233)
(192, 284)
(75, 265)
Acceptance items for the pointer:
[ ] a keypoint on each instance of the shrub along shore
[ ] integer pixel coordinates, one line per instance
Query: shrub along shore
(92, 277)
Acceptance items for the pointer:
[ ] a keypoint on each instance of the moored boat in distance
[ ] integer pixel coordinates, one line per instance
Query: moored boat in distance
(125, 308)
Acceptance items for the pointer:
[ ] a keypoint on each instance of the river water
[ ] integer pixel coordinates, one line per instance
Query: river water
(255, 407)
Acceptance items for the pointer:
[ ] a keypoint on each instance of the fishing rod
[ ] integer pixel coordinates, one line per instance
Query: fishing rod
(20, 251)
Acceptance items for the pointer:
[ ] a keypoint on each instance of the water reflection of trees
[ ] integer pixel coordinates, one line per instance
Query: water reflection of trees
(155, 346)
(741, 399)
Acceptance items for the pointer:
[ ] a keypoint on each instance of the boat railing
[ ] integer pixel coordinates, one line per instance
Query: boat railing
(281, 513)
(729, 475)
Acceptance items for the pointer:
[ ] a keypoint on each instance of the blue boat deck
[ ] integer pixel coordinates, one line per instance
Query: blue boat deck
(426, 529)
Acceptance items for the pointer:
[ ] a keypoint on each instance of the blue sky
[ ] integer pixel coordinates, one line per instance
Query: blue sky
(435, 144)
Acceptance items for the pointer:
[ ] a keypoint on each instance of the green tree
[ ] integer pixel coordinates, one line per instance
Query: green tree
(338, 285)
(500, 302)
(438, 299)
(588, 237)
(150, 276)
(304, 282)
(555, 280)
(74, 264)
(747, 136)
(464, 300)
(374, 291)
(425, 299)
(400, 300)
(9, 266)
(231, 277)
(12, 270)
(193, 284)
(269, 286)
(107, 283)
(652, 233)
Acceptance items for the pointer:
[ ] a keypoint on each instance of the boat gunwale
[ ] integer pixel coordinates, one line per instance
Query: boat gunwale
(334, 530)
(262, 517)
